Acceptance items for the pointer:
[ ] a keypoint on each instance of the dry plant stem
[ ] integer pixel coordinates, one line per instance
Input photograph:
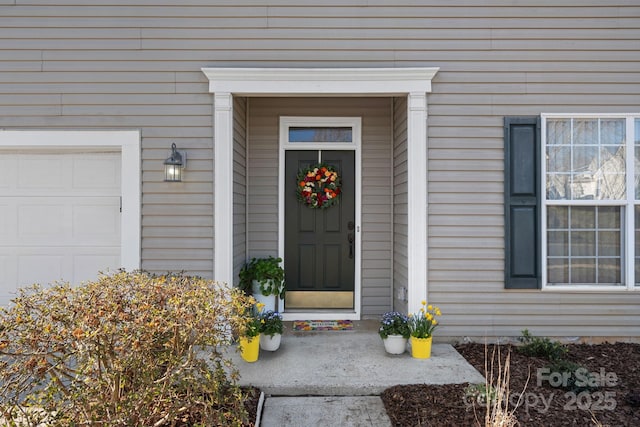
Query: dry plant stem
(497, 412)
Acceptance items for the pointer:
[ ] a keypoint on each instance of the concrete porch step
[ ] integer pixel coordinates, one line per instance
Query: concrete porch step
(347, 363)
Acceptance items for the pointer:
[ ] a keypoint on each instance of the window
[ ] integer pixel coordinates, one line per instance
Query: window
(591, 202)
(320, 134)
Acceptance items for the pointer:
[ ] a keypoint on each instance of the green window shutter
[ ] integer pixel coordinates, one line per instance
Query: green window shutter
(522, 202)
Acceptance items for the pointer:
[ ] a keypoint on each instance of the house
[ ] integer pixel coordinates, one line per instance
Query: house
(486, 152)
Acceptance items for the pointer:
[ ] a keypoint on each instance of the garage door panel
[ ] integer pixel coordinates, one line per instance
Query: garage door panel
(103, 173)
(42, 172)
(5, 214)
(42, 223)
(40, 268)
(5, 173)
(88, 266)
(99, 221)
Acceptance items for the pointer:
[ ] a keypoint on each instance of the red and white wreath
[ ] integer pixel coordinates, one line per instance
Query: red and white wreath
(318, 186)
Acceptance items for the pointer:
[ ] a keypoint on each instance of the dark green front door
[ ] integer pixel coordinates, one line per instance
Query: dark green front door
(320, 250)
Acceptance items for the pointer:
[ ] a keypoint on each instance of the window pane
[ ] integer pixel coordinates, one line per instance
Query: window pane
(608, 271)
(558, 186)
(612, 131)
(583, 217)
(583, 243)
(609, 217)
(585, 131)
(558, 217)
(558, 271)
(320, 134)
(558, 131)
(558, 243)
(558, 159)
(609, 243)
(583, 270)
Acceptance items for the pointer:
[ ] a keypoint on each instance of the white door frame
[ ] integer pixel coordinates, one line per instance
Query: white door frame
(414, 83)
(127, 142)
(355, 123)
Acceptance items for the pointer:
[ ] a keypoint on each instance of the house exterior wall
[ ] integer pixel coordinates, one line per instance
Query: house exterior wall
(264, 116)
(239, 185)
(400, 214)
(117, 64)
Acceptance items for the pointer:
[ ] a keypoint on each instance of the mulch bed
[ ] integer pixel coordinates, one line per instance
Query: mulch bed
(613, 403)
(251, 404)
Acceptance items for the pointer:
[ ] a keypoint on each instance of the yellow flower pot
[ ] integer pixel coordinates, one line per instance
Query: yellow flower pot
(421, 347)
(250, 348)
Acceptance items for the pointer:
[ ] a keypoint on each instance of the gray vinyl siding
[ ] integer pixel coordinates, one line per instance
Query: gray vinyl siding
(264, 116)
(121, 64)
(400, 194)
(239, 185)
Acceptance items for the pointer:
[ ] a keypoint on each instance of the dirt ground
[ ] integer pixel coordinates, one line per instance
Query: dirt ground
(605, 393)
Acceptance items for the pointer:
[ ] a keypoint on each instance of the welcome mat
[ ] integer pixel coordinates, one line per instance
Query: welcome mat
(322, 325)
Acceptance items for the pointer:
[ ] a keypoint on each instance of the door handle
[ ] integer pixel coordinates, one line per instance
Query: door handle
(350, 239)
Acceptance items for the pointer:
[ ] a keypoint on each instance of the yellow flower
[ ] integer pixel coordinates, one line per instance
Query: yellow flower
(260, 306)
(429, 307)
(435, 322)
(438, 312)
(423, 302)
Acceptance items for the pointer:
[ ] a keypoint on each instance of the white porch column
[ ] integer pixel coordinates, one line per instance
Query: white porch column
(223, 187)
(417, 201)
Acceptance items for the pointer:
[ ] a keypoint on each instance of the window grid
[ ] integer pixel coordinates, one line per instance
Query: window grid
(570, 257)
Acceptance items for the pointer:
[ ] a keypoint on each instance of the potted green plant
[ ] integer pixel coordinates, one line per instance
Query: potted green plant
(271, 328)
(394, 331)
(264, 278)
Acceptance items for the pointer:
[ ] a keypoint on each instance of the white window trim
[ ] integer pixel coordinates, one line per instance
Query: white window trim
(628, 271)
(414, 83)
(128, 143)
(354, 123)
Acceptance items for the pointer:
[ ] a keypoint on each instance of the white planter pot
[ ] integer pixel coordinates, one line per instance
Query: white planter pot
(270, 343)
(395, 344)
(269, 301)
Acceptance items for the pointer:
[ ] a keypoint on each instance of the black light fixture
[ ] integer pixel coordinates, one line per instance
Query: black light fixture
(174, 165)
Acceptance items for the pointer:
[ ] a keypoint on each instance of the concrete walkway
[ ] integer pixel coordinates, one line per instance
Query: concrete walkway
(334, 378)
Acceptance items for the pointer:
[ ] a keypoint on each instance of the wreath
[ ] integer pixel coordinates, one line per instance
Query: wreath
(318, 186)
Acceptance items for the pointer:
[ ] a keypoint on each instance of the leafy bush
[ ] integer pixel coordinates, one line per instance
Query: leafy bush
(125, 350)
(541, 347)
(573, 376)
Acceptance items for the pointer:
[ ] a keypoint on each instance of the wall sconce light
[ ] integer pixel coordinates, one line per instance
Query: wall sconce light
(174, 165)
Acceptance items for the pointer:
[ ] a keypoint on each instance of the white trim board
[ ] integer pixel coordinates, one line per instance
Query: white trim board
(127, 142)
(414, 83)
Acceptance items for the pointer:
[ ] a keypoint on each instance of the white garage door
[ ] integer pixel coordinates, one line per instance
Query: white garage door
(59, 217)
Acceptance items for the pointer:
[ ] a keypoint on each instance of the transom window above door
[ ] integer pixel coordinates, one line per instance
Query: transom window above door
(591, 203)
(320, 134)
(329, 133)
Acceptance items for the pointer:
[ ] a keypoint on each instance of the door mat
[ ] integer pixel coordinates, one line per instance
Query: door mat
(322, 325)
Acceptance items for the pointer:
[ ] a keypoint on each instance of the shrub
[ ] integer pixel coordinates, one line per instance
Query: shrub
(123, 350)
(541, 347)
(575, 377)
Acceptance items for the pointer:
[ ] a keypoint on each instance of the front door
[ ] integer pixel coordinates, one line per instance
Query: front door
(319, 250)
